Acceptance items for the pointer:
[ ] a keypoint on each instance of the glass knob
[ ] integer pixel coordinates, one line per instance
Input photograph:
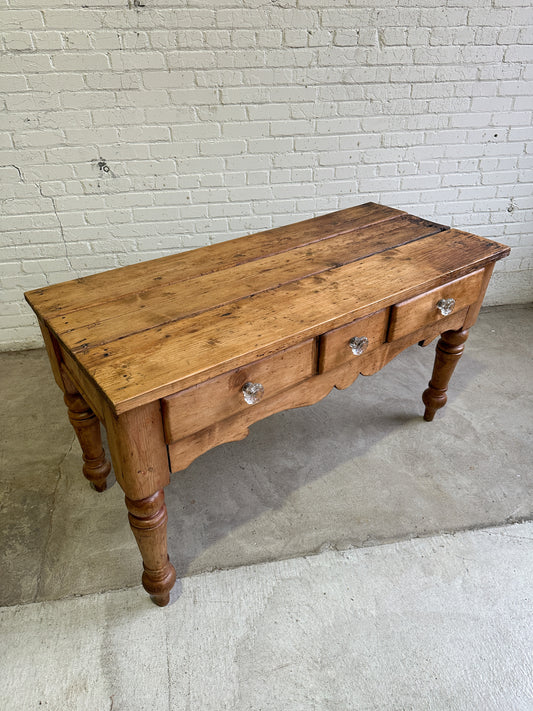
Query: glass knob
(446, 306)
(253, 392)
(358, 344)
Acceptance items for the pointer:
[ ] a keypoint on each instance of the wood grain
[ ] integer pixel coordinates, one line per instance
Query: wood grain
(160, 351)
(334, 345)
(413, 313)
(92, 394)
(202, 405)
(236, 427)
(155, 363)
(447, 354)
(86, 425)
(116, 283)
(148, 521)
(164, 304)
(473, 311)
(53, 351)
(138, 450)
(186, 450)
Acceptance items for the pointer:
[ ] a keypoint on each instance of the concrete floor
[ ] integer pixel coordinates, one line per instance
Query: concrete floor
(438, 623)
(359, 468)
(435, 624)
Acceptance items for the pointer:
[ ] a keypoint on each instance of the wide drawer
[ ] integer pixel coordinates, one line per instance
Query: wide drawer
(430, 307)
(349, 342)
(202, 405)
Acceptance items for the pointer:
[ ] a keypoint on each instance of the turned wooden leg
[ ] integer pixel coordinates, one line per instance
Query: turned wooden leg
(148, 521)
(449, 349)
(87, 428)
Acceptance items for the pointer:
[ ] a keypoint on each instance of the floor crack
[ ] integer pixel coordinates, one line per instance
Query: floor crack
(168, 668)
(507, 535)
(50, 525)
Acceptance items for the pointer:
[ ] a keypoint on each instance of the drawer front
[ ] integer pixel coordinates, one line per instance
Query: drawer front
(204, 404)
(431, 307)
(350, 342)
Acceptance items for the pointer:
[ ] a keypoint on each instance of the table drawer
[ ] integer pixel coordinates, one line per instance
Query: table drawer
(204, 404)
(434, 305)
(349, 342)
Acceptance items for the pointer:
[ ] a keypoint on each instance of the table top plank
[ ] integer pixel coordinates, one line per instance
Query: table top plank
(156, 362)
(116, 283)
(163, 304)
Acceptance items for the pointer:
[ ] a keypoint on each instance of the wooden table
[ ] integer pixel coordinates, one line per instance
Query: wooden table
(177, 355)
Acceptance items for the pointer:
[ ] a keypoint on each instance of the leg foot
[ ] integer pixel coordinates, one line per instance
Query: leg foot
(449, 349)
(87, 427)
(148, 521)
(160, 600)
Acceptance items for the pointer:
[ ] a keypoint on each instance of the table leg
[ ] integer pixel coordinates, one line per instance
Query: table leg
(449, 349)
(148, 521)
(87, 427)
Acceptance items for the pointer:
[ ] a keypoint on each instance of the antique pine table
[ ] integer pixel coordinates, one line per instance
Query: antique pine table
(177, 355)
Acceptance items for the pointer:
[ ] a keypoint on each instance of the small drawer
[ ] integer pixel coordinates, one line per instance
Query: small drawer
(203, 405)
(431, 307)
(350, 342)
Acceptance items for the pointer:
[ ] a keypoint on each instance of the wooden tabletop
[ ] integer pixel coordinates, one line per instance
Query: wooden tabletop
(150, 329)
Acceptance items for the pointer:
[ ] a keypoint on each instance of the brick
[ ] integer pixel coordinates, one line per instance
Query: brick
(469, 120)
(255, 129)
(219, 119)
(270, 145)
(194, 96)
(222, 147)
(75, 19)
(393, 36)
(10, 82)
(21, 19)
(102, 80)
(88, 100)
(77, 39)
(512, 118)
(176, 149)
(104, 40)
(18, 41)
(168, 79)
(269, 111)
(113, 117)
(493, 103)
(290, 128)
(269, 38)
(489, 16)
(38, 138)
(197, 130)
(78, 61)
(518, 53)
(54, 82)
(47, 39)
(121, 61)
(25, 63)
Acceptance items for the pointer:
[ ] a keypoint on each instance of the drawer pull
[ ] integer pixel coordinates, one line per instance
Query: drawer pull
(253, 392)
(446, 306)
(358, 344)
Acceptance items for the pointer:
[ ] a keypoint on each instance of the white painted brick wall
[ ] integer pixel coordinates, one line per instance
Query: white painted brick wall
(135, 128)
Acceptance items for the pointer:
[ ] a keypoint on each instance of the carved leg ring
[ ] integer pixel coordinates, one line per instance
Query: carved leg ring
(449, 349)
(87, 427)
(148, 521)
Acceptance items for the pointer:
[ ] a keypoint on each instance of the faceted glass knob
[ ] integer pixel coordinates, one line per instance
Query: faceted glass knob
(252, 392)
(358, 344)
(446, 306)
